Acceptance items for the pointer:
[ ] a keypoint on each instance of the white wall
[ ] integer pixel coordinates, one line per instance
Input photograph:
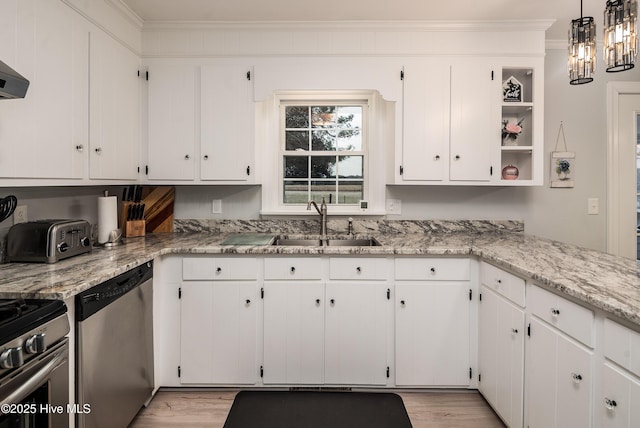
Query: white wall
(562, 213)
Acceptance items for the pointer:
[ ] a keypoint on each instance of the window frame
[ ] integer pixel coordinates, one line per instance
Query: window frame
(363, 104)
(273, 152)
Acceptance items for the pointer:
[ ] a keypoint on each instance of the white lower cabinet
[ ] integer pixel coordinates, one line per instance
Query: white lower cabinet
(218, 323)
(620, 399)
(293, 332)
(432, 334)
(356, 333)
(501, 355)
(559, 379)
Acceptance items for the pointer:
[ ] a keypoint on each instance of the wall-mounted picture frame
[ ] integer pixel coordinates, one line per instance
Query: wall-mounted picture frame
(562, 169)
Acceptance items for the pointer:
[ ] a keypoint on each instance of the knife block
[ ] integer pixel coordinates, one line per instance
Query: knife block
(130, 228)
(134, 228)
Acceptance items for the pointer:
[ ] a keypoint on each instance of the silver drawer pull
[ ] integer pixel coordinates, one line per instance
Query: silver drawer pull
(293, 269)
(218, 270)
(433, 271)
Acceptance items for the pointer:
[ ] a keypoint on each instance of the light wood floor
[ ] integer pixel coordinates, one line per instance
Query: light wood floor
(205, 408)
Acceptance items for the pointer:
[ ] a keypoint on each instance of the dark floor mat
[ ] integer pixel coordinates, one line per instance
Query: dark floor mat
(312, 409)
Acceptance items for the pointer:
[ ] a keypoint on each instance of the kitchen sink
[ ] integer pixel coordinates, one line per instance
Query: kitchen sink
(330, 242)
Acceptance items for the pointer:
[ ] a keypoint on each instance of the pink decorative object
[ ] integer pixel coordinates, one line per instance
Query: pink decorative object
(510, 172)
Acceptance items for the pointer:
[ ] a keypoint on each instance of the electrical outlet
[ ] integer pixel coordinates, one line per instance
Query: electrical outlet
(20, 214)
(593, 206)
(216, 206)
(394, 206)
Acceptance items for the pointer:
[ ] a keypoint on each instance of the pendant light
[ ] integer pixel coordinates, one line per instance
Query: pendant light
(582, 49)
(620, 42)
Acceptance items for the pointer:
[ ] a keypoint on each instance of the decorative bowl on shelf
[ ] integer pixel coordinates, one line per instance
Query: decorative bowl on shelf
(510, 172)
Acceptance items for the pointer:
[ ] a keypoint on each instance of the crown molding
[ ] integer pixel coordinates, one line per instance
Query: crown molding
(126, 12)
(435, 26)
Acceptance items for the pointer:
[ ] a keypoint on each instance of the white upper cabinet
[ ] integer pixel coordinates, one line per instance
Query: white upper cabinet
(45, 134)
(426, 104)
(454, 114)
(473, 120)
(227, 115)
(114, 109)
(172, 120)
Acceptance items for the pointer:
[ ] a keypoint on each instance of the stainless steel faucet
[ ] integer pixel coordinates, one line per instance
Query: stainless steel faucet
(323, 215)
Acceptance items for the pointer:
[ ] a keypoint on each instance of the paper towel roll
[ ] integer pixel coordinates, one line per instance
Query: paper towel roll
(107, 217)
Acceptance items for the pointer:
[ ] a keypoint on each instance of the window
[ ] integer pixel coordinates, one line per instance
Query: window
(323, 152)
(324, 144)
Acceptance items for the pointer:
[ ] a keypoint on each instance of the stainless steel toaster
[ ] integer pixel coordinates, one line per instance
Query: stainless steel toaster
(48, 241)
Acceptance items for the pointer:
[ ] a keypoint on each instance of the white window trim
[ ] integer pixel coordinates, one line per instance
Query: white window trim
(374, 152)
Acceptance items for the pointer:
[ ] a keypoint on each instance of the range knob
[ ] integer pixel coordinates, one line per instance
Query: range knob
(63, 247)
(35, 344)
(85, 242)
(11, 358)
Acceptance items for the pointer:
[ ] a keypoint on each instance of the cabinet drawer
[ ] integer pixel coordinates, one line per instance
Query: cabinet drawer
(622, 345)
(503, 283)
(569, 317)
(219, 268)
(293, 268)
(421, 269)
(357, 268)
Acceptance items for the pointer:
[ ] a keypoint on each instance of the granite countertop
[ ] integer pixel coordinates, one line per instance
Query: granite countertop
(603, 281)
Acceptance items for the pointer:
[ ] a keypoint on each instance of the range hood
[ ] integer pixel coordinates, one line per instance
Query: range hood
(12, 84)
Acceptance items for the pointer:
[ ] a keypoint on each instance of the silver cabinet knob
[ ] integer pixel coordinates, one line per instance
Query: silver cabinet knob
(555, 312)
(358, 269)
(402, 303)
(187, 157)
(218, 269)
(576, 377)
(247, 302)
(437, 157)
(98, 150)
(293, 269)
(514, 330)
(205, 157)
(610, 404)
(80, 148)
(317, 301)
(433, 271)
(457, 157)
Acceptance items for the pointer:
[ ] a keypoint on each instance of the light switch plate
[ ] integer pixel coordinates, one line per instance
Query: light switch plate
(593, 206)
(216, 206)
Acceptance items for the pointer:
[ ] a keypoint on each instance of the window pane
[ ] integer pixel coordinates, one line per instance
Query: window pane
(350, 192)
(296, 192)
(350, 140)
(350, 167)
(296, 117)
(296, 167)
(296, 140)
(323, 140)
(349, 117)
(323, 189)
(323, 166)
(323, 116)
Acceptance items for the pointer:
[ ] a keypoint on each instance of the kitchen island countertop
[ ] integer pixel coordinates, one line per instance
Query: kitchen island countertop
(600, 280)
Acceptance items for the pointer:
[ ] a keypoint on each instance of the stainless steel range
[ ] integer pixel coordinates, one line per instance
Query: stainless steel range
(34, 367)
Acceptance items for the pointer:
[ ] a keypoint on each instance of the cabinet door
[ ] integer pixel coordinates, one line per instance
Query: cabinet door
(227, 123)
(218, 333)
(621, 395)
(432, 334)
(473, 120)
(509, 362)
(488, 345)
(44, 135)
(425, 143)
(559, 373)
(114, 109)
(293, 333)
(172, 119)
(355, 333)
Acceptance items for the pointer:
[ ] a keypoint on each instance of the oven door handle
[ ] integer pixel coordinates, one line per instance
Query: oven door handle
(36, 379)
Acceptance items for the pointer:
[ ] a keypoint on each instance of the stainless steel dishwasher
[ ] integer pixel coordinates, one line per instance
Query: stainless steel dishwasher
(114, 349)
